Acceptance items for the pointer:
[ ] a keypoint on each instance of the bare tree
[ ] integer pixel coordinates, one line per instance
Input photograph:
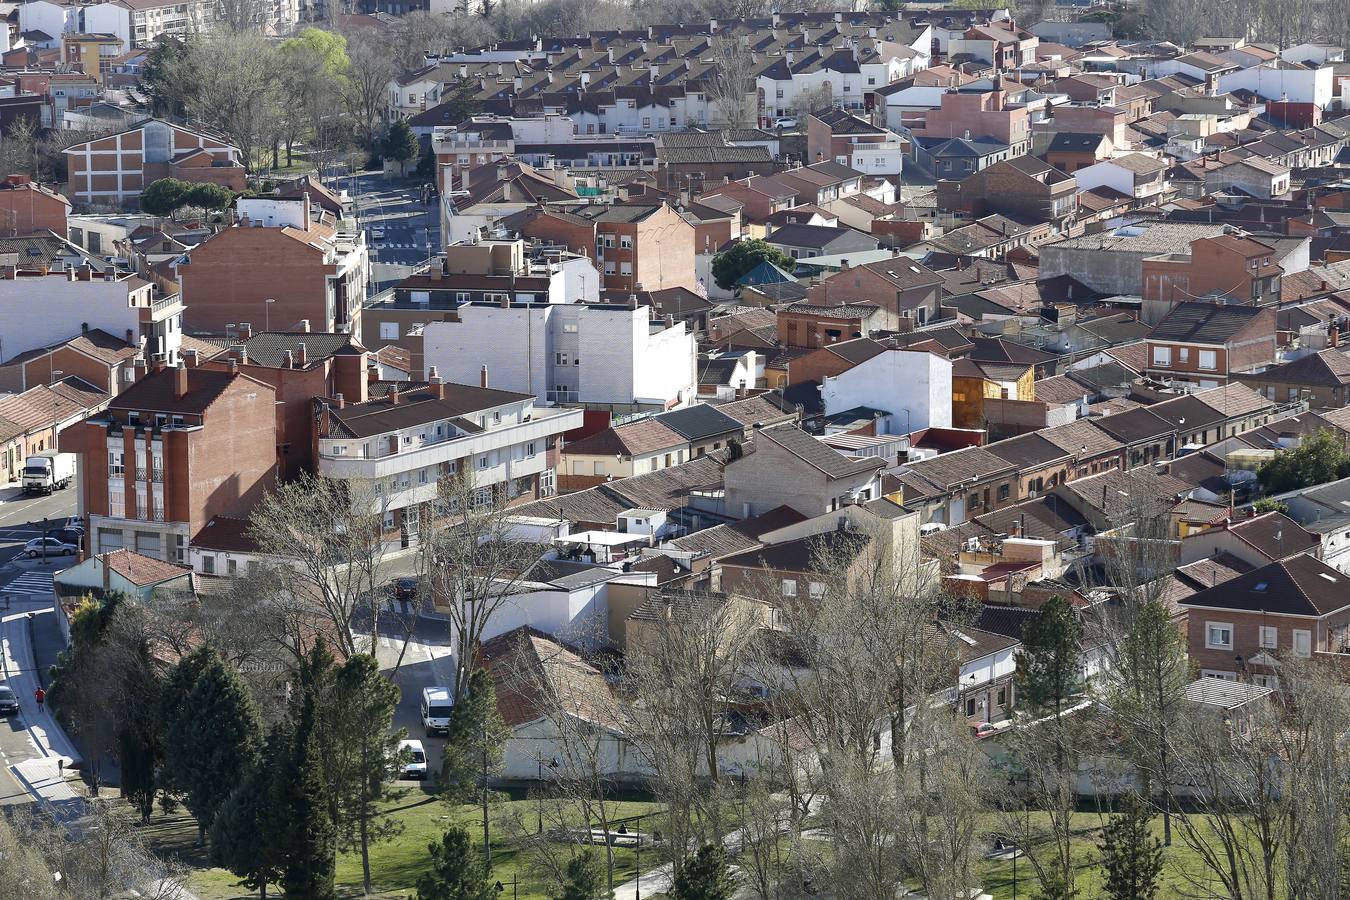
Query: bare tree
(473, 561)
(374, 64)
(732, 90)
(684, 667)
(327, 539)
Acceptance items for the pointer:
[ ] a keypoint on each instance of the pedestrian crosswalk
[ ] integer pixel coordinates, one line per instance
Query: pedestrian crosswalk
(29, 585)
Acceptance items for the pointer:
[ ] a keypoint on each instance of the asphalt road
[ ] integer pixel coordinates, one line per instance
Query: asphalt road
(399, 226)
(22, 517)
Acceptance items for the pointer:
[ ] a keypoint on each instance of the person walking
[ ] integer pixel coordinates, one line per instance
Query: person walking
(39, 695)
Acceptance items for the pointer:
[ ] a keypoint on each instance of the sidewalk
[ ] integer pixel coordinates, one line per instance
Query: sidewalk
(20, 667)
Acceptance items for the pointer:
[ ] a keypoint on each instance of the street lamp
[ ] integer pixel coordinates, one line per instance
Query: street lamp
(267, 313)
(54, 373)
(552, 764)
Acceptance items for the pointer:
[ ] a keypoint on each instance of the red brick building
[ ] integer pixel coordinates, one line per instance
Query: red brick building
(171, 452)
(114, 169)
(26, 207)
(635, 246)
(1206, 343)
(1239, 268)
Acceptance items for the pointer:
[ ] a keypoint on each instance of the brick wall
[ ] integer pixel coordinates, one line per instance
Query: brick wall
(228, 278)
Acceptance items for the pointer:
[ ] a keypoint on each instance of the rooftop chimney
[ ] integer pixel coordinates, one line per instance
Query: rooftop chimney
(245, 331)
(339, 401)
(138, 365)
(190, 358)
(393, 394)
(290, 359)
(483, 377)
(157, 363)
(234, 367)
(437, 385)
(304, 325)
(240, 354)
(300, 355)
(180, 382)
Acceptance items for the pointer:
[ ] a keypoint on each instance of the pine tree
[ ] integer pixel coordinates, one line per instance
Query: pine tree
(1131, 855)
(475, 736)
(457, 871)
(245, 834)
(705, 876)
(1048, 670)
(214, 742)
(584, 879)
(400, 144)
(139, 750)
(362, 752)
(302, 799)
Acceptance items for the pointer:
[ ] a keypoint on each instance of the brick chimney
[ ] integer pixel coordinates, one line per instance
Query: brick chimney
(180, 382)
(437, 385)
(240, 353)
(138, 365)
(339, 401)
(190, 358)
(483, 377)
(393, 395)
(349, 375)
(245, 331)
(300, 355)
(290, 359)
(157, 363)
(304, 325)
(234, 367)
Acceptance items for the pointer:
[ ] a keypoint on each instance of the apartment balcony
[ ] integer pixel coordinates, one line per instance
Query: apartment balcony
(384, 463)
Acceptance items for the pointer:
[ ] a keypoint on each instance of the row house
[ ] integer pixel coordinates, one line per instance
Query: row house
(1001, 44)
(980, 114)
(170, 453)
(1136, 175)
(1226, 267)
(1026, 188)
(406, 442)
(1207, 343)
(850, 140)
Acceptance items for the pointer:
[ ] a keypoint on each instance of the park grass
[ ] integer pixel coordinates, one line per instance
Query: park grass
(397, 864)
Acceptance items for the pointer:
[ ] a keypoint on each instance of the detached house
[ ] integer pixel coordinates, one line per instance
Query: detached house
(1207, 343)
(1241, 627)
(790, 467)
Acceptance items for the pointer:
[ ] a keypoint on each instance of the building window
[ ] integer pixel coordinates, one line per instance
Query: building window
(483, 461)
(1003, 696)
(625, 242)
(529, 449)
(625, 268)
(209, 564)
(115, 463)
(1209, 360)
(1218, 636)
(817, 590)
(1269, 637)
(1002, 492)
(1302, 643)
(1162, 356)
(117, 505)
(560, 359)
(788, 588)
(388, 331)
(1184, 354)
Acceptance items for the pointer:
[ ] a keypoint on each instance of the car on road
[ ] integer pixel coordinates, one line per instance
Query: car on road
(436, 705)
(403, 588)
(9, 701)
(48, 546)
(68, 535)
(785, 122)
(412, 760)
(377, 234)
(984, 729)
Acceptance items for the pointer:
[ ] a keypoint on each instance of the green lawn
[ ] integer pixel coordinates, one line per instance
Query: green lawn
(1183, 873)
(396, 864)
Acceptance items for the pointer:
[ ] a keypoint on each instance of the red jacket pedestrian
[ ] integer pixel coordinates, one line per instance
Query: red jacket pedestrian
(40, 695)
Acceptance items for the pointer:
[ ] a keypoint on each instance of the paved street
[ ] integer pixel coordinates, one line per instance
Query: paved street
(394, 209)
(21, 517)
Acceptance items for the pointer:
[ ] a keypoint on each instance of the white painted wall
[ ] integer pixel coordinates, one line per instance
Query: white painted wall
(43, 15)
(1295, 85)
(109, 18)
(896, 381)
(1105, 174)
(40, 311)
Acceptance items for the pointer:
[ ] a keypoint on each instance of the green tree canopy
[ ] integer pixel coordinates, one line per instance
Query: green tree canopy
(400, 144)
(475, 732)
(1131, 855)
(246, 834)
(457, 871)
(164, 197)
(213, 744)
(742, 256)
(1048, 670)
(705, 876)
(584, 878)
(1316, 460)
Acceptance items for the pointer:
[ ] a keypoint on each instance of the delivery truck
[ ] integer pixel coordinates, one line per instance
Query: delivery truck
(48, 471)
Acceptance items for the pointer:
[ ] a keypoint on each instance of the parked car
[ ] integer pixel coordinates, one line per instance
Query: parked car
(403, 588)
(785, 122)
(68, 535)
(50, 546)
(377, 234)
(412, 760)
(9, 702)
(983, 730)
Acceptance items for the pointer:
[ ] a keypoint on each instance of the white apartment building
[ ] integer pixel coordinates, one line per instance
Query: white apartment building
(41, 309)
(593, 353)
(139, 22)
(406, 443)
(912, 387)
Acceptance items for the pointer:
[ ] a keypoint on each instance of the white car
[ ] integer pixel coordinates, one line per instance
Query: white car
(377, 234)
(785, 122)
(48, 546)
(412, 760)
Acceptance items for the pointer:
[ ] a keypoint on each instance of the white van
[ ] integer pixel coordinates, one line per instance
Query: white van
(436, 704)
(412, 760)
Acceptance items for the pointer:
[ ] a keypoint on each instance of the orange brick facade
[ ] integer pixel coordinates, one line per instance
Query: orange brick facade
(113, 170)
